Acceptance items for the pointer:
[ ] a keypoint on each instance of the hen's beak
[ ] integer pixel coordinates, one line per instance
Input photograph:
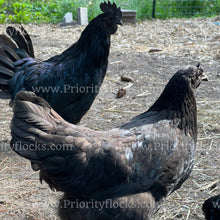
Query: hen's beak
(204, 77)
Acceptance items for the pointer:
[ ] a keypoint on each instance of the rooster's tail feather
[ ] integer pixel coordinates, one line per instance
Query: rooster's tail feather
(12, 48)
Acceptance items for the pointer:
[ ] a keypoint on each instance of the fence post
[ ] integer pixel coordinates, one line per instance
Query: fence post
(154, 8)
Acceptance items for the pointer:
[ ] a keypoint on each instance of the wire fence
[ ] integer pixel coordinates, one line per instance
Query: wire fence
(174, 8)
(190, 8)
(185, 8)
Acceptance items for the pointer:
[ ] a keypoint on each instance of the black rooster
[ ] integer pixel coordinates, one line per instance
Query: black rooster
(135, 166)
(211, 208)
(69, 81)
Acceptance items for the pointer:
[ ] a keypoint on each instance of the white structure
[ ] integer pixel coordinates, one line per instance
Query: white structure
(68, 18)
(82, 16)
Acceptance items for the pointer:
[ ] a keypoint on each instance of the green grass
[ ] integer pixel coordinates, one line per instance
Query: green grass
(187, 8)
(44, 11)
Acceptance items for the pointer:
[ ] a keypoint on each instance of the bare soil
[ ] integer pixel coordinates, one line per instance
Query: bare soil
(183, 42)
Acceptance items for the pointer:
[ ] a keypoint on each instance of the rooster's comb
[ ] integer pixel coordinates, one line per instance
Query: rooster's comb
(108, 7)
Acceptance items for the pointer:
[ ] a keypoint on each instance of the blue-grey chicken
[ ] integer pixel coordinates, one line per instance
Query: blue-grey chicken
(135, 166)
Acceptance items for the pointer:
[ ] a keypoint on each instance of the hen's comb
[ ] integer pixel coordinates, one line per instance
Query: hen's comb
(108, 7)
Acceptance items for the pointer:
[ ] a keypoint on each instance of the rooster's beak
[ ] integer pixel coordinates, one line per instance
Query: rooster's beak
(120, 22)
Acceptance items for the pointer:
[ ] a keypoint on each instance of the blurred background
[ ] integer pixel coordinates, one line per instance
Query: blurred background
(52, 11)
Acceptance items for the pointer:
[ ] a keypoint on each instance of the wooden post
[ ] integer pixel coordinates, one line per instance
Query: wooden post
(154, 8)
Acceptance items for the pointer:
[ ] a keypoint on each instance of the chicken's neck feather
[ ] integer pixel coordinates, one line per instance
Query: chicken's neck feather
(89, 53)
(176, 103)
(94, 43)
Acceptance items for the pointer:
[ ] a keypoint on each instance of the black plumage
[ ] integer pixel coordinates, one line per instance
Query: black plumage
(139, 163)
(69, 81)
(211, 208)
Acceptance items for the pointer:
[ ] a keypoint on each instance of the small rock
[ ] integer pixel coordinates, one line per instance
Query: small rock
(203, 153)
(155, 50)
(127, 79)
(188, 43)
(121, 92)
(187, 38)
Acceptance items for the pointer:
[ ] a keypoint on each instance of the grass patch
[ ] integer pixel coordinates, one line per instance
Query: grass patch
(52, 11)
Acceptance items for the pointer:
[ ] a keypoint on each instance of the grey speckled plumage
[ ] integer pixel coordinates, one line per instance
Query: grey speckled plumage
(139, 163)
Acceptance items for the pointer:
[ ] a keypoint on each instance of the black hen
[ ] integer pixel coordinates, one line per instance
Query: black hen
(69, 81)
(211, 208)
(136, 165)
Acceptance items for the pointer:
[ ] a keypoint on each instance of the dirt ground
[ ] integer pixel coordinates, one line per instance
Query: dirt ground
(182, 42)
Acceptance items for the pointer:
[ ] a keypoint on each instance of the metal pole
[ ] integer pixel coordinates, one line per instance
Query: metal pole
(154, 8)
